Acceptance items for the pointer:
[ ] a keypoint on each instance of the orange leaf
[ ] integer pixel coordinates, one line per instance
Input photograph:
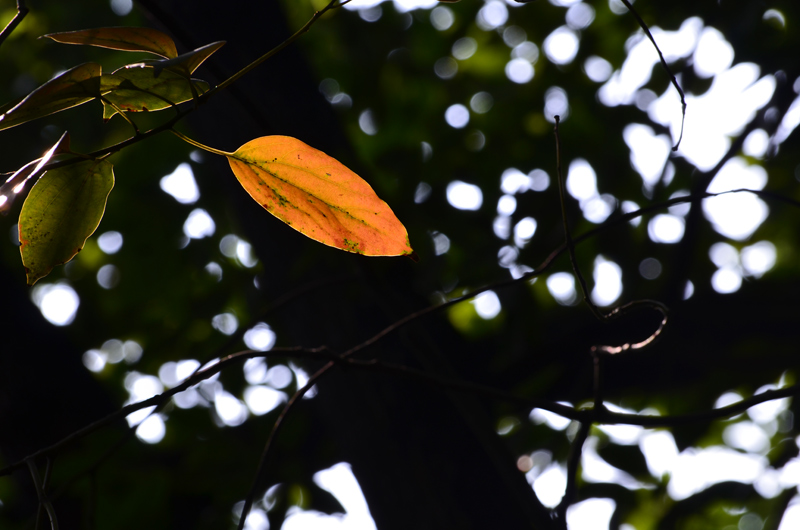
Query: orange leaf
(318, 196)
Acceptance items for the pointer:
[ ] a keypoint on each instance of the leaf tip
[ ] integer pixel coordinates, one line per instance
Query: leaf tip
(413, 256)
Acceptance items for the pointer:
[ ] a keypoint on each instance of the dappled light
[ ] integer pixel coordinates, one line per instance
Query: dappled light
(340, 482)
(650, 268)
(108, 276)
(550, 484)
(366, 120)
(591, 513)
(539, 154)
(442, 18)
(199, 224)
(481, 102)
(519, 71)
(561, 46)
(562, 286)
(595, 469)
(457, 116)
(225, 323)
(58, 302)
(260, 337)
(180, 184)
(487, 305)
(230, 411)
(608, 282)
(464, 196)
(492, 15)
(121, 7)
(152, 429)
(666, 228)
(262, 399)
(737, 215)
(110, 242)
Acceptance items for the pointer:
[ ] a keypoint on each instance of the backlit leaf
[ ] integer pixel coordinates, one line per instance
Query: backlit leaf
(318, 196)
(72, 88)
(188, 62)
(30, 171)
(138, 90)
(119, 38)
(62, 210)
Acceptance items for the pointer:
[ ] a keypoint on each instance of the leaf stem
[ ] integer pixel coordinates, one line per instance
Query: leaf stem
(199, 145)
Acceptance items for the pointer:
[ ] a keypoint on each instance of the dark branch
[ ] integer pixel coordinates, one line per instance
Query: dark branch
(12, 25)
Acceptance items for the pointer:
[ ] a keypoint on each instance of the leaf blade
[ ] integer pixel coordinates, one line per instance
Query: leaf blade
(30, 171)
(121, 38)
(70, 89)
(186, 63)
(318, 196)
(142, 90)
(61, 211)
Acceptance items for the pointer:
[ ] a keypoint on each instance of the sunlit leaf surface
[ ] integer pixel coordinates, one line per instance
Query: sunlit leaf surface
(74, 87)
(61, 211)
(119, 38)
(318, 196)
(32, 170)
(139, 89)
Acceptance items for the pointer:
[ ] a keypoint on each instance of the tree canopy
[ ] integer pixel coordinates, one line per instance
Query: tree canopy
(597, 325)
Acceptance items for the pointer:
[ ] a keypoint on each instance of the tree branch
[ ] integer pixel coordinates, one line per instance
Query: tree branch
(12, 25)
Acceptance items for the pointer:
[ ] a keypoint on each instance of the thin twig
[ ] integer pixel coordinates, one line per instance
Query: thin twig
(567, 235)
(333, 4)
(318, 353)
(248, 502)
(646, 30)
(12, 25)
(43, 500)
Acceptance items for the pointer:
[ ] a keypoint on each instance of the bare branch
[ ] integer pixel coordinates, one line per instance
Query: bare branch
(12, 25)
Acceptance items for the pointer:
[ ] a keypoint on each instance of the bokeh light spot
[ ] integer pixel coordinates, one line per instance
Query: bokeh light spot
(199, 224)
(464, 196)
(110, 242)
(58, 302)
(457, 116)
(181, 184)
(260, 337)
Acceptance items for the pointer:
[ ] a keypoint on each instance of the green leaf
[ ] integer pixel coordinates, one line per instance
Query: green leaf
(318, 196)
(138, 89)
(188, 62)
(62, 210)
(121, 38)
(72, 88)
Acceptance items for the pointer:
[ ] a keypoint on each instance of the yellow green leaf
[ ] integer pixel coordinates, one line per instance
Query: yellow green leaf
(121, 38)
(139, 89)
(62, 210)
(318, 196)
(71, 88)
